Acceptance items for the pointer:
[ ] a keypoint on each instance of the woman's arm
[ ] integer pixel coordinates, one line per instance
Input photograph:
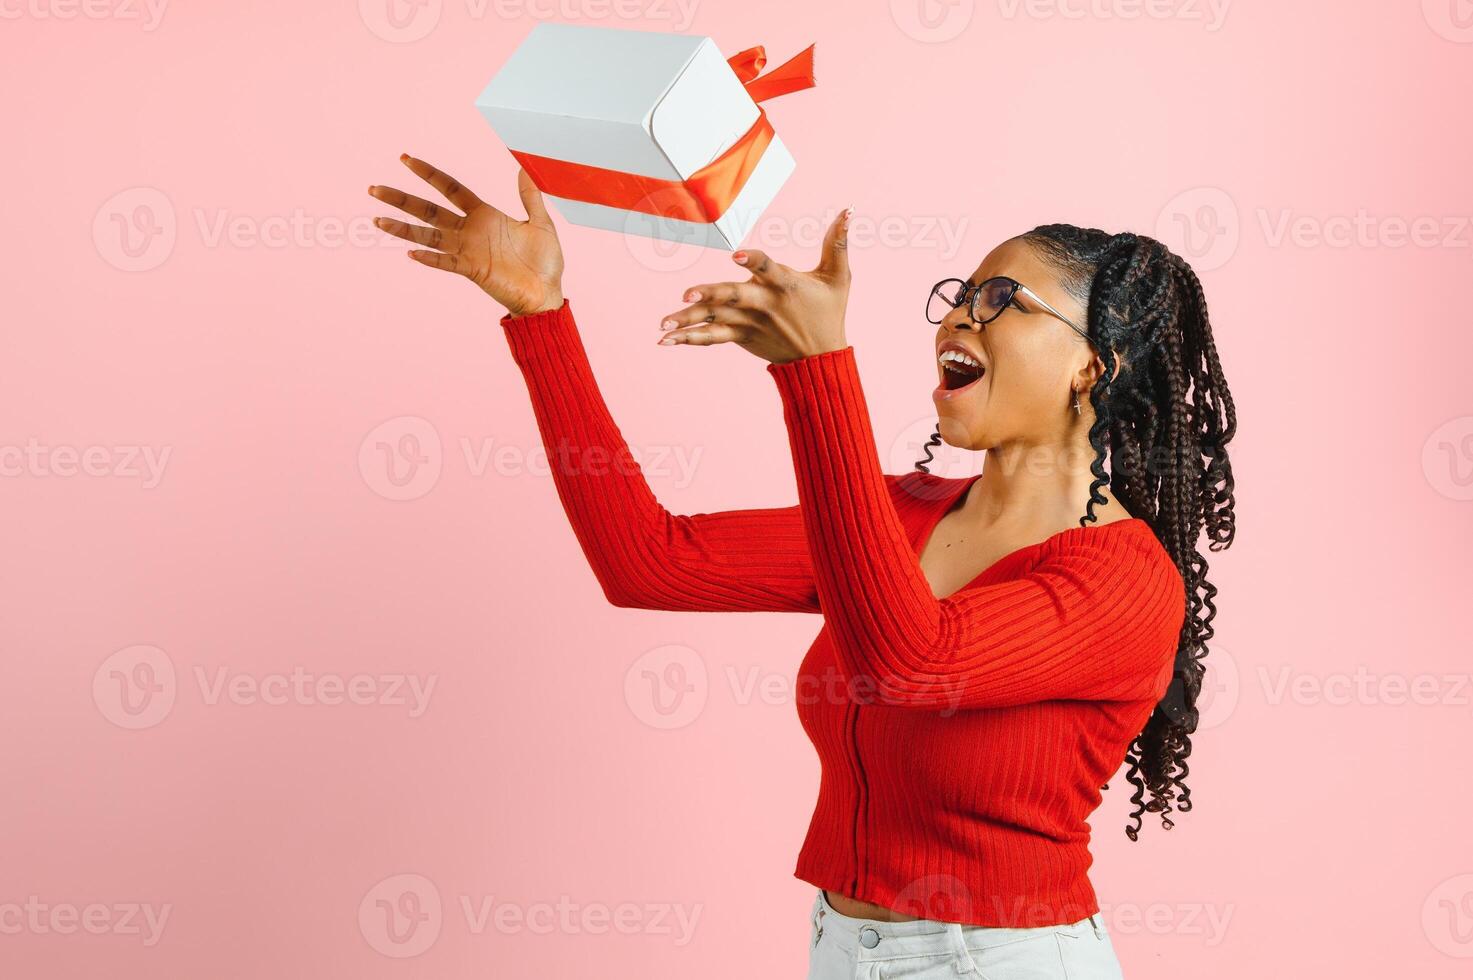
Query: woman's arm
(1096, 618)
(1098, 615)
(643, 556)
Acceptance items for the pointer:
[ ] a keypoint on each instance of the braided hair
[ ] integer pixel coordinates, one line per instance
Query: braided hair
(1163, 418)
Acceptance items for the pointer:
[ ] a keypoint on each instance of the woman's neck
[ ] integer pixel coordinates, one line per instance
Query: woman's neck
(1039, 488)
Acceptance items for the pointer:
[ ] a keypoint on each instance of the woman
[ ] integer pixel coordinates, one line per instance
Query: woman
(993, 647)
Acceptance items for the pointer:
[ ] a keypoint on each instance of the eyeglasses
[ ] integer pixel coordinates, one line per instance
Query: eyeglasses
(988, 300)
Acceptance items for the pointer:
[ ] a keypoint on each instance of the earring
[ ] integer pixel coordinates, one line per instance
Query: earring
(1077, 409)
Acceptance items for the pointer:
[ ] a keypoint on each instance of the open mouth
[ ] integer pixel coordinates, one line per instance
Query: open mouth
(959, 369)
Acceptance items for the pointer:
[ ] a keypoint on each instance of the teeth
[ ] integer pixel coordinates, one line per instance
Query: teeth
(953, 355)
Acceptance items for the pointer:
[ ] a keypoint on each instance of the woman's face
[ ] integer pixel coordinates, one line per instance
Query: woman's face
(1030, 361)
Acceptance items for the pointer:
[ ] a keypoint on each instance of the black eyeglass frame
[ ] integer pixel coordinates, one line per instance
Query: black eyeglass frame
(969, 294)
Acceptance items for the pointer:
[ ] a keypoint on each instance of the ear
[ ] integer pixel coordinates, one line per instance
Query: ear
(1085, 378)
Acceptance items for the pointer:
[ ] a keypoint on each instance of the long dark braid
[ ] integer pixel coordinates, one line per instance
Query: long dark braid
(1163, 418)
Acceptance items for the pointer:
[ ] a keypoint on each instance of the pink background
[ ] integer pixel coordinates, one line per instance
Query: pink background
(180, 289)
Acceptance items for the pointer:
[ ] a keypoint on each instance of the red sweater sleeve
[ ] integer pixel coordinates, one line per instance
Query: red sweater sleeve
(1096, 617)
(642, 555)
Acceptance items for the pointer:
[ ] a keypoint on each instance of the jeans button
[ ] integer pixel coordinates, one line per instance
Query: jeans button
(869, 938)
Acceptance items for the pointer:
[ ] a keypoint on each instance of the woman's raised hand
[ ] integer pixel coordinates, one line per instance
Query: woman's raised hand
(780, 314)
(519, 263)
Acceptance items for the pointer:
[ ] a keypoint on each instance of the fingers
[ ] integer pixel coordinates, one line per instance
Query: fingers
(708, 334)
(744, 294)
(432, 237)
(435, 260)
(762, 268)
(833, 261)
(532, 200)
(717, 302)
(426, 211)
(455, 192)
(706, 313)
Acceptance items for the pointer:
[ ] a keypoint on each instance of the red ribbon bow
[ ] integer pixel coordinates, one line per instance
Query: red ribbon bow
(793, 75)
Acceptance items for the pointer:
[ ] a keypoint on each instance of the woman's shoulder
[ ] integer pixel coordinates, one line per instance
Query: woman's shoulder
(1128, 547)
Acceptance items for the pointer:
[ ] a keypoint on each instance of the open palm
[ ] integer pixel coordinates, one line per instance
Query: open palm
(519, 263)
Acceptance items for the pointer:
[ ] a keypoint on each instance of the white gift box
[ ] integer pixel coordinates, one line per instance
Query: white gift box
(640, 132)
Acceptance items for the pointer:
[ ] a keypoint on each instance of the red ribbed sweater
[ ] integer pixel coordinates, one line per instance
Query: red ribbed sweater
(963, 741)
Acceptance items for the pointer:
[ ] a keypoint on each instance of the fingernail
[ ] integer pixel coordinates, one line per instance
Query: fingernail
(667, 340)
(667, 324)
(740, 257)
(693, 295)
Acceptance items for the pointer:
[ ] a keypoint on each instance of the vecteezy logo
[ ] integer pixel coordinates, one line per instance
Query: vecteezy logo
(135, 687)
(1450, 19)
(932, 21)
(940, 897)
(1221, 687)
(654, 215)
(401, 458)
(400, 21)
(913, 445)
(667, 687)
(135, 229)
(1447, 917)
(1201, 225)
(1447, 459)
(401, 915)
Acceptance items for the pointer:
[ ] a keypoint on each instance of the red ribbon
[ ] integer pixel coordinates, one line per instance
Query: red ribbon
(793, 75)
(705, 195)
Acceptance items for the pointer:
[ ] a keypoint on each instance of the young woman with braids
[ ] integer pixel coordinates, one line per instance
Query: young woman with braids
(993, 648)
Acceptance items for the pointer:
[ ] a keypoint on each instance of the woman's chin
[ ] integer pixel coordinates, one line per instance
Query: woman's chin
(955, 431)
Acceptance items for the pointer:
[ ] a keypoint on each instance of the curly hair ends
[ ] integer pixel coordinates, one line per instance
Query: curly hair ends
(1163, 419)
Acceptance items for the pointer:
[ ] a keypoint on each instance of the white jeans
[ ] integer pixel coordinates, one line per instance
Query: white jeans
(844, 948)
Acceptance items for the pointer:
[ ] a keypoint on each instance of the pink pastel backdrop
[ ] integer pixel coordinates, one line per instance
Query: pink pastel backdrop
(256, 460)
